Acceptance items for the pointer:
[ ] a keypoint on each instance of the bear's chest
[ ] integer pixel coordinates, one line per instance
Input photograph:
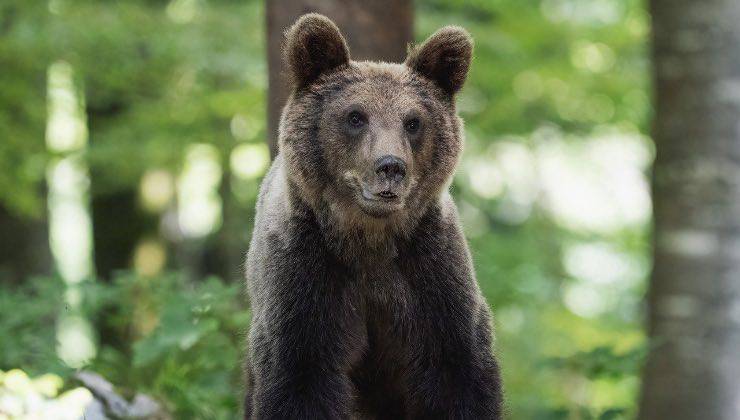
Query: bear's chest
(389, 306)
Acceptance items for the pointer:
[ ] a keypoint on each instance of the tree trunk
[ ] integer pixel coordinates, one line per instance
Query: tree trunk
(24, 247)
(118, 222)
(24, 237)
(375, 30)
(118, 226)
(693, 370)
(224, 254)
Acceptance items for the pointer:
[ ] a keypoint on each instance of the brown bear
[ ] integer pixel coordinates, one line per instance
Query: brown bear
(364, 299)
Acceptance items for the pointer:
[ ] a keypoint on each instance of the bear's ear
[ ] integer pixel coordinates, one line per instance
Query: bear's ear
(313, 46)
(444, 58)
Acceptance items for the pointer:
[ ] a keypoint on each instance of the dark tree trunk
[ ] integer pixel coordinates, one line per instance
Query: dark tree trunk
(693, 370)
(118, 222)
(24, 247)
(118, 226)
(224, 254)
(375, 30)
(24, 239)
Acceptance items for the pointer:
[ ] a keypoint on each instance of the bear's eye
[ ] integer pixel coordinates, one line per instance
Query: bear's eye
(355, 119)
(411, 125)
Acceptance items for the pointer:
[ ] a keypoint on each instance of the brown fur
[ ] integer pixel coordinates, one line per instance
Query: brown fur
(314, 46)
(363, 306)
(444, 57)
(387, 92)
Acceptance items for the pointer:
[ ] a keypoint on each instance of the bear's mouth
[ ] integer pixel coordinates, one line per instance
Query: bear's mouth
(376, 199)
(384, 195)
(381, 203)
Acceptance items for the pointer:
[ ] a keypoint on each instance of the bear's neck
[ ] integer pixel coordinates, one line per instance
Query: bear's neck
(352, 235)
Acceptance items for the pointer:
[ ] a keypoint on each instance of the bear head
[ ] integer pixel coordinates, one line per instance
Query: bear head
(369, 146)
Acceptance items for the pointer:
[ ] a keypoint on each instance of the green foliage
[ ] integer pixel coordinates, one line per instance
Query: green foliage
(158, 78)
(178, 341)
(601, 362)
(155, 79)
(23, 60)
(28, 317)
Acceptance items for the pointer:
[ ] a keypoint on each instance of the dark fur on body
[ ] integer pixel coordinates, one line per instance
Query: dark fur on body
(366, 308)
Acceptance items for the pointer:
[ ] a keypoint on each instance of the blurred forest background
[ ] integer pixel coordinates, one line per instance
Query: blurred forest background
(133, 136)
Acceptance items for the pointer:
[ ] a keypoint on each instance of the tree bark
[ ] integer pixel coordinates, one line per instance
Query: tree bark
(24, 247)
(118, 222)
(375, 30)
(118, 226)
(224, 255)
(693, 369)
(24, 235)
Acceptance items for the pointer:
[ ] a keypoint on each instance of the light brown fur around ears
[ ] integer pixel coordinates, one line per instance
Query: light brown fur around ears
(313, 46)
(444, 57)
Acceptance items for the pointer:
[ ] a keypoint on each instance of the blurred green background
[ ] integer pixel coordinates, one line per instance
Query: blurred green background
(133, 140)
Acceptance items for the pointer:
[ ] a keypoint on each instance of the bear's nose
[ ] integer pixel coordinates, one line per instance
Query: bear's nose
(393, 167)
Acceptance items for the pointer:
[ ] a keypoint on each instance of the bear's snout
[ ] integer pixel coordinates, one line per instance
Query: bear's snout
(391, 168)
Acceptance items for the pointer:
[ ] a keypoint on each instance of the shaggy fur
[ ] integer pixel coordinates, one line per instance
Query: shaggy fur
(366, 307)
